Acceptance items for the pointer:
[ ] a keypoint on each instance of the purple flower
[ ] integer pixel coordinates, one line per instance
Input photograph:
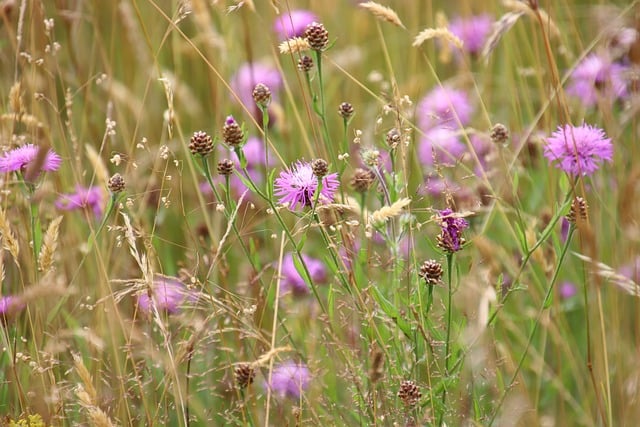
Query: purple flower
(92, 197)
(473, 31)
(289, 379)
(297, 186)
(444, 106)
(293, 282)
(250, 74)
(450, 238)
(579, 150)
(293, 24)
(20, 158)
(632, 270)
(444, 142)
(567, 290)
(596, 78)
(10, 306)
(168, 294)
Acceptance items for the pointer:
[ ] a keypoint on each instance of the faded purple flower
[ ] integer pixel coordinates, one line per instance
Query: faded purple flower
(289, 379)
(567, 290)
(297, 185)
(92, 197)
(168, 294)
(450, 238)
(20, 158)
(597, 78)
(444, 106)
(578, 150)
(248, 75)
(293, 282)
(473, 31)
(632, 270)
(444, 142)
(294, 23)
(10, 306)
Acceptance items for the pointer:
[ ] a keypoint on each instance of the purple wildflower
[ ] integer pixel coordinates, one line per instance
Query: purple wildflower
(289, 379)
(248, 75)
(450, 238)
(444, 142)
(92, 197)
(596, 78)
(20, 158)
(567, 290)
(293, 24)
(298, 185)
(579, 150)
(168, 294)
(10, 306)
(293, 282)
(473, 31)
(444, 106)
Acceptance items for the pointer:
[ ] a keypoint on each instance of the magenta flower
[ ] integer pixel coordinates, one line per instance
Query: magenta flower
(444, 106)
(293, 24)
(567, 290)
(289, 379)
(167, 295)
(92, 197)
(578, 150)
(293, 282)
(250, 74)
(598, 78)
(473, 31)
(450, 238)
(297, 185)
(20, 158)
(444, 143)
(10, 306)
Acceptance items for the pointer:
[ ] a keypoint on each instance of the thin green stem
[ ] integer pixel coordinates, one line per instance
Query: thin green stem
(448, 339)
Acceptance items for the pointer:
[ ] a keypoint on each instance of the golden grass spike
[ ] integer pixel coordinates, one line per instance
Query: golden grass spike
(294, 45)
(49, 245)
(383, 214)
(383, 13)
(8, 239)
(440, 33)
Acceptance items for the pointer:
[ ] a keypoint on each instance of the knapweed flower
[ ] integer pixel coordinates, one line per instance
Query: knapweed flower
(297, 185)
(20, 158)
(289, 379)
(442, 145)
(167, 295)
(93, 198)
(292, 281)
(293, 24)
(444, 106)
(450, 238)
(578, 150)
(597, 78)
(473, 31)
(249, 75)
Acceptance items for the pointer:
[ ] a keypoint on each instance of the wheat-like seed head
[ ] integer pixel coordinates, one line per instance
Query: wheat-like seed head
(49, 245)
(294, 45)
(8, 239)
(383, 13)
(386, 212)
(442, 33)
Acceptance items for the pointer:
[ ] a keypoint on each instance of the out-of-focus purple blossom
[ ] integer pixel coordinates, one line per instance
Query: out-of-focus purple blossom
(253, 151)
(168, 294)
(20, 158)
(578, 150)
(93, 198)
(473, 31)
(564, 229)
(450, 238)
(632, 270)
(10, 305)
(289, 379)
(567, 290)
(444, 143)
(598, 78)
(444, 107)
(297, 186)
(292, 281)
(248, 75)
(293, 24)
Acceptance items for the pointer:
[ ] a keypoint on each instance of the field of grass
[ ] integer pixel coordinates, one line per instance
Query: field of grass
(418, 212)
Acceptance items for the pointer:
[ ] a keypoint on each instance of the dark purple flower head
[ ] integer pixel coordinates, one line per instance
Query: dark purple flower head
(473, 31)
(598, 78)
(293, 282)
(248, 75)
(444, 106)
(567, 290)
(297, 186)
(289, 379)
(578, 150)
(450, 238)
(92, 197)
(168, 294)
(293, 24)
(20, 158)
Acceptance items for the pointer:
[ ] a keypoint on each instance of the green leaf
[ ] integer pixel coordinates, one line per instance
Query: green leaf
(391, 311)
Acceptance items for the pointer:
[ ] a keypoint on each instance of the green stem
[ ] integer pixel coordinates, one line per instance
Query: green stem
(448, 339)
(322, 111)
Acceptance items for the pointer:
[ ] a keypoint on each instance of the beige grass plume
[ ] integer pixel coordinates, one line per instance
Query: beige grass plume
(383, 13)
(383, 214)
(49, 245)
(437, 33)
(294, 45)
(7, 237)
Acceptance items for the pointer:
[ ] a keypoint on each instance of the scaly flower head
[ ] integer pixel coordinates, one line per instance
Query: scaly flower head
(293, 24)
(289, 379)
(249, 75)
(91, 197)
(578, 150)
(450, 238)
(297, 186)
(20, 158)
